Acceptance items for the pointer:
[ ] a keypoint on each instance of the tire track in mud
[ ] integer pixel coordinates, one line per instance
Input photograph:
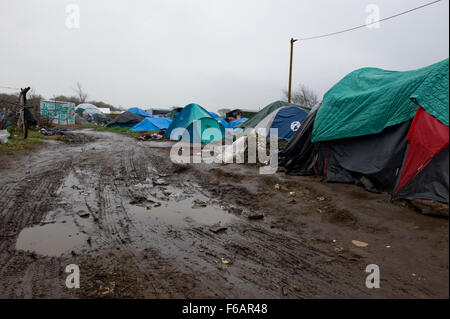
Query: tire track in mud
(128, 258)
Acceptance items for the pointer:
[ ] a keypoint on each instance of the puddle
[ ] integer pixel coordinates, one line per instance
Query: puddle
(65, 228)
(181, 214)
(51, 239)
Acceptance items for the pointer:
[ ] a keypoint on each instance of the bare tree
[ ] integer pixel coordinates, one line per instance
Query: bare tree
(81, 94)
(303, 96)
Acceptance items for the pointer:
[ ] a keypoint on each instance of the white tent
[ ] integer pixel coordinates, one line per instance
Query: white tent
(90, 109)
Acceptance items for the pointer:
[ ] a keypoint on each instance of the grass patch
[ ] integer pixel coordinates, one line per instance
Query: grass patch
(18, 144)
(120, 130)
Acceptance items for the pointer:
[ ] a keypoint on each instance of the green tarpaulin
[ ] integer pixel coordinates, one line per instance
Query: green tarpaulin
(368, 100)
(266, 111)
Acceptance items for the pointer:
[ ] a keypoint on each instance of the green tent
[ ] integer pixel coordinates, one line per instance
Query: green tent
(200, 125)
(368, 100)
(258, 117)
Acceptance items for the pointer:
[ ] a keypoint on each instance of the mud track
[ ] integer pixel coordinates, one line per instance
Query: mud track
(139, 226)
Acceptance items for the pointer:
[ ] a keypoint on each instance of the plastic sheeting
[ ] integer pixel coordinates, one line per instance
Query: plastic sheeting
(368, 100)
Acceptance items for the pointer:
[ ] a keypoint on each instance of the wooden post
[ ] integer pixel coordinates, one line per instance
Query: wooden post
(290, 70)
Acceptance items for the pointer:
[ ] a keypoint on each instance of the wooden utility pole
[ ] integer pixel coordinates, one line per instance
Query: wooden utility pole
(290, 70)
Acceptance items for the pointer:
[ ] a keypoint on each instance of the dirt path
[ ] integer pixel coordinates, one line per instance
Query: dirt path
(139, 226)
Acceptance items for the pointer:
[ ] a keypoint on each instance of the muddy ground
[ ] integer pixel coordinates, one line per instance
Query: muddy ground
(139, 226)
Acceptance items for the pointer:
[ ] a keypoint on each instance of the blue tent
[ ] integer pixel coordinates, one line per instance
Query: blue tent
(222, 121)
(138, 111)
(237, 122)
(152, 124)
(286, 119)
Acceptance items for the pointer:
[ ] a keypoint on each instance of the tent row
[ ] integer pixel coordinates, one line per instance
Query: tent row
(387, 130)
(193, 123)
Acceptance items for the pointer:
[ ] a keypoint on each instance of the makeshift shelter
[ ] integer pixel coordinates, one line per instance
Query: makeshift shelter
(174, 112)
(236, 123)
(286, 119)
(152, 124)
(87, 109)
(387, 129)
(80, 120)
(258, 117)
(138, 111)
(240, 113)
(97, 118)
(126, 119)
(196, 121)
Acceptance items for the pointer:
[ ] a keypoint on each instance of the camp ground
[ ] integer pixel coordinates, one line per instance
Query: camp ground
(229, 155)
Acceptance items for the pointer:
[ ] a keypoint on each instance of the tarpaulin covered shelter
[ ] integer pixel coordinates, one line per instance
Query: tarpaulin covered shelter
(237, 122)
(388, 129)
(126, 119)
(138, 111)
(152, 124)
(196, 121)
(258, 117)
(87, 109)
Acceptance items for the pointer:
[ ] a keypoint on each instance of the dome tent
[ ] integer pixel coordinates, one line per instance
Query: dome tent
(286, 119)
(258, 117)
(196, 120)
(87, 109)
(152, 124)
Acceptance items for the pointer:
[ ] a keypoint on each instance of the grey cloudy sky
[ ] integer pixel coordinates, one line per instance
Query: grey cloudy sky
(232, 53)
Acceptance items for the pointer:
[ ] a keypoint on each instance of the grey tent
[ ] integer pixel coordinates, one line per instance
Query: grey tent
(126, 119)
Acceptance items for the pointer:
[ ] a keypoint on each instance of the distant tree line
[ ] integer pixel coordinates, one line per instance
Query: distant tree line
(34, 99)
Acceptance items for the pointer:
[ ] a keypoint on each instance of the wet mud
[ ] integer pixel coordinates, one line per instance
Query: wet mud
(140, 226)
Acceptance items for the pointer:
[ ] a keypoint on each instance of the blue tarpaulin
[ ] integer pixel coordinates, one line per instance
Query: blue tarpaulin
(237, 122)
(152, 124)
(138, 111)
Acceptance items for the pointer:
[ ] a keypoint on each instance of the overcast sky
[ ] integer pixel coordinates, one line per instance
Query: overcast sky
(227, 53)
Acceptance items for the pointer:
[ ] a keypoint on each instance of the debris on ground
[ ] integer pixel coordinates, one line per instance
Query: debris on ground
(83, 214)
(4, 135)
(52, 131)
(216, 228)
(151, 136)
(199, 204)
(358, 243)
(255, 216)
(431, 207)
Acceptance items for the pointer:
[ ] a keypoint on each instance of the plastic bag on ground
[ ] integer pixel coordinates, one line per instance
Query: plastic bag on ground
(4, 134)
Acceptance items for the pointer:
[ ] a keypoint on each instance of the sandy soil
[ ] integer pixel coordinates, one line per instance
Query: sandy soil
(139, 226)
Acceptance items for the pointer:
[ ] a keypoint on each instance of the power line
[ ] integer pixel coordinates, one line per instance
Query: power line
(365, 25)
